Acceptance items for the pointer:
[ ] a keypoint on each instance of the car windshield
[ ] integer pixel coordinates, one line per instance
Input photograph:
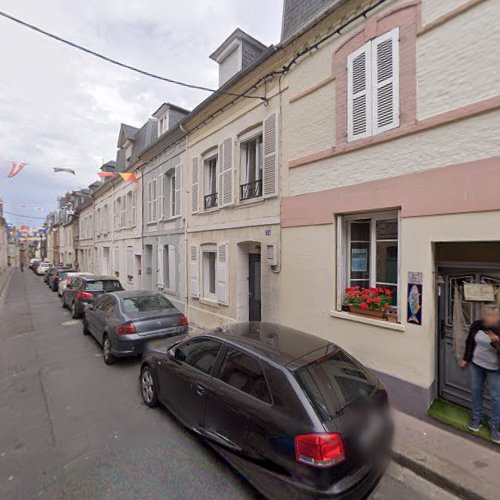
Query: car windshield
(145, 303)
(103, 286)
(335, 381)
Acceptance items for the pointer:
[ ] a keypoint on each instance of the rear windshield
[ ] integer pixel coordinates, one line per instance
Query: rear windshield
(103, 286)
(62, 274)
(335, 381)
(145, 303)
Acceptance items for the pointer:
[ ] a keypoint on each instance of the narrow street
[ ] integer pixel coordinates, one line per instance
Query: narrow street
(72, 427)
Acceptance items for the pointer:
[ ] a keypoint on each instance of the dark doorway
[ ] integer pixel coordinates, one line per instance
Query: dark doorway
(254, 303)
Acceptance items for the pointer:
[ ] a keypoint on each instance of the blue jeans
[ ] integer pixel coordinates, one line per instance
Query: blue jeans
(479, 377)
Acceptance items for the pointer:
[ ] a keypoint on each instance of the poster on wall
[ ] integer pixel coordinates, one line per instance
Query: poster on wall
(414, 299)
(359, 260)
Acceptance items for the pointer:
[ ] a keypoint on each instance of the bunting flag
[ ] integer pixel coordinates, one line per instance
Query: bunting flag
(106, 174)
(127, 177)
(67, 170)
(15, 168)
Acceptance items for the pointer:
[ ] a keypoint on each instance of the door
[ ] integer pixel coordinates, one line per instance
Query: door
(186, 379)
(254, 296)
(453, 381)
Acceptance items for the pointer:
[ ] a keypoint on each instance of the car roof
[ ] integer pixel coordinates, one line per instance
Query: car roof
(89, 277)
(126, 294)
(278, 343)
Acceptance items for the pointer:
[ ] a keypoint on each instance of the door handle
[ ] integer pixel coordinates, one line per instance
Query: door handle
(200, 389)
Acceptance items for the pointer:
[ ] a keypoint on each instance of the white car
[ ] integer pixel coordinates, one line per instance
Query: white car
(65, 282)
(43, 268)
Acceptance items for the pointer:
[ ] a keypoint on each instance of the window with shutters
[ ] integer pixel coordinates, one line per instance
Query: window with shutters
(129, 208)
(152, 200)
(169, 188)
(373, 87)
(210, 199)
(251, 166)
(169, 268)
(130, 264)
(208, 267)
(369, 252)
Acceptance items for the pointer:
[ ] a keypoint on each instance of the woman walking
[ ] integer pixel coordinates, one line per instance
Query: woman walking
(482, 353)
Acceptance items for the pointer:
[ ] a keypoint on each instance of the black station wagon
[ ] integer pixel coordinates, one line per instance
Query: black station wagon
(295, 414)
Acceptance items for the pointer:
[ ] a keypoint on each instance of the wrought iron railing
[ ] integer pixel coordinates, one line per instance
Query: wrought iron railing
(251, 190)
(210, 200)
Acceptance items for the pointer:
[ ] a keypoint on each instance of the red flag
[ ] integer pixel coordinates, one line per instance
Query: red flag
(105, 174)
(15, 168)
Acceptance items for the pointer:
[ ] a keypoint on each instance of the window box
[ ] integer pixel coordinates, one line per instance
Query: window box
(371, 313)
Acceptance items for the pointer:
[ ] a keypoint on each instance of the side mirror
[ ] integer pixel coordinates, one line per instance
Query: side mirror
(176, 354)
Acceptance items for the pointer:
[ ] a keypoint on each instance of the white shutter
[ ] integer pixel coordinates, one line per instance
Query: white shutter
(178, 189)
(160, 267)
(221, 273)
(270, 147)
(195, 186)
(117, 260)
(220, 184)
(226, 172)
(385, 57)
(134, 206)
(130, 261)
(172, 275)
(161, 194)
(359, 99)
(194, 271)
(150, 201)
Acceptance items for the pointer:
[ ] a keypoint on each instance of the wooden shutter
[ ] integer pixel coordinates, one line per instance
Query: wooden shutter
(160, 268)
(359, 99)
(130, 261)
(221, 273)
(117, 260)
(178, 189)
(220, 184)
(134, 206)
(385, 78)
(194, 271)
(226, 169)
(161, 194)
(150, 201)
(172, 275)
(195, 186)
(270, 147)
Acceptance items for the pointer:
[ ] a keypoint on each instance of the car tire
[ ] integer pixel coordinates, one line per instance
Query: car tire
(85, 328)
(148, 387)
(74, 312)
(108, 357)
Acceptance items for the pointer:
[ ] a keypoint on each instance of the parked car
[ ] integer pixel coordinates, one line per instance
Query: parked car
(33, 264)
(295, 414)
(49, 271)
(56, 276)
(42, 268)
(123, 322)
(84, 289)
(65, 282)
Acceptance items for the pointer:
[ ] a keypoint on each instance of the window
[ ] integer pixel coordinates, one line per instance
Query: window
(129, 208)
(172, 194)
(245, 374)
(103, 286)
(145, 303)
(209, 258)
(370, 251)
(130, 264)
(211, 182)
(373, 87)
(251, 168)
(199, 353)
(152, 201)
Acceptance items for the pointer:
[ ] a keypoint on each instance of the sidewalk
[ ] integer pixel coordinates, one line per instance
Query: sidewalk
(458, 464)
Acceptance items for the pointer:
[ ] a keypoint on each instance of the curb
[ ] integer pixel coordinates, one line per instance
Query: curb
(4, 282)
(421, 469)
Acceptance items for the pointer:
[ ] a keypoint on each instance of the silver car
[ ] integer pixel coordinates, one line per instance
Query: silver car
(124, 322)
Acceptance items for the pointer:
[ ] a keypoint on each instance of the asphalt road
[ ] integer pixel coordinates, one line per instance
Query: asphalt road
(73, 428)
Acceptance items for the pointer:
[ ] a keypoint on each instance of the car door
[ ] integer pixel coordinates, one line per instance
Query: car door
(71, 291)
(238, 410)
(91, 314)
(185, 379)
(105, 307)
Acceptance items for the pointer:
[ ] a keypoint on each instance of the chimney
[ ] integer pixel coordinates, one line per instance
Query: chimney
(237, 52)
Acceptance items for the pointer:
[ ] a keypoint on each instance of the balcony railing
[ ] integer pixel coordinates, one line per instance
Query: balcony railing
(251, 190)
(210, 200)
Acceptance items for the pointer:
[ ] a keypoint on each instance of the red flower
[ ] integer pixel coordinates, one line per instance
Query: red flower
(364, 305)
(388, 292)
(387, 306)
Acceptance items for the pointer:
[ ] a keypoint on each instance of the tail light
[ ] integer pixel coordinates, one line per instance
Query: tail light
(183, 321)
(319, 450)
(84, 295)
(126, 329)
(68, 281)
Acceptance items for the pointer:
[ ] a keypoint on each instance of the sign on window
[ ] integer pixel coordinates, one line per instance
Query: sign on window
(359, 260)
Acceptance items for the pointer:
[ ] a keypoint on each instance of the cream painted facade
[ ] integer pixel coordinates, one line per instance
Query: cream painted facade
(86, 244)
(430, 172)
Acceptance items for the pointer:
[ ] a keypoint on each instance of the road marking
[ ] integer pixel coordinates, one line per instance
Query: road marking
(71, 322)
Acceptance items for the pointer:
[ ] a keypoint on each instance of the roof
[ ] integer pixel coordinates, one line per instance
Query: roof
(237, 34)
(127, 132)
(281, 344)
(169, 105)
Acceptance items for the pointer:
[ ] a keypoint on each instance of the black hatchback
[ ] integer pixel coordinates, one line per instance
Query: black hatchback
(294, 413)
(84, 289)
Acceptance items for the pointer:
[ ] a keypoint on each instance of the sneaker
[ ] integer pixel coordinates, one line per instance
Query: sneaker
(475, 425)
(495, 435)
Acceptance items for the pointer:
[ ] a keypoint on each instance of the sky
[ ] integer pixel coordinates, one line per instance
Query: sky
(60, 107)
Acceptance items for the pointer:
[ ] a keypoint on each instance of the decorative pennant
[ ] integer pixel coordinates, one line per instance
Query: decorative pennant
(128, 177)
(67, 170)
(106, 174)
(15, 168)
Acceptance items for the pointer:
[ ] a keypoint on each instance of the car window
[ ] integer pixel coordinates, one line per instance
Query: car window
(334, 381)
(199, 353)
(75, 283)
(145, 303)
(107, 304)
(245, 373)
(62, 275)
(103, 286)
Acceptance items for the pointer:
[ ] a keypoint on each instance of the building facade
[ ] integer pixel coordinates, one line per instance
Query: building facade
(391, 156)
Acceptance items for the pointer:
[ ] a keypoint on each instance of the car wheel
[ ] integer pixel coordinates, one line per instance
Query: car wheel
(85, 328)
(74, 312)
(148, 387)
(109, 359)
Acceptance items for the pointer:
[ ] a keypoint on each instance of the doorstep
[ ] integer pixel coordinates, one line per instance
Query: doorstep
(467, 468)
